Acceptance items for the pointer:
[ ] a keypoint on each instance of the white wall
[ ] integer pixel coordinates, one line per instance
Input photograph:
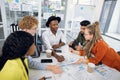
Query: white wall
(71, 6)
(115, 19)
(69, 12)
(98, 9)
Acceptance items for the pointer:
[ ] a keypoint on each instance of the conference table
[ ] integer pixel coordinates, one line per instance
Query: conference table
(73, 71)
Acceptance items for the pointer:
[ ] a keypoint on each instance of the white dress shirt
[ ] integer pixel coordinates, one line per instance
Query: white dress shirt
(50, 39)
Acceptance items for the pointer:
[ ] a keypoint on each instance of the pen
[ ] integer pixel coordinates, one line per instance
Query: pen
(44, 78)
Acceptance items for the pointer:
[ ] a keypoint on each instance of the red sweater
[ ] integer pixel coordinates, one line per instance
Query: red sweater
(103, 53)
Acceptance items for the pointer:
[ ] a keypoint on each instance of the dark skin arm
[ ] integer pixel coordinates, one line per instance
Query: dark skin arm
(59, 58)
(43, 78)
(58, 45)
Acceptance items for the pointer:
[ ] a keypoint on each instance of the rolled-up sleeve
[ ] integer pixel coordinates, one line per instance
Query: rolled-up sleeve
(81, 52)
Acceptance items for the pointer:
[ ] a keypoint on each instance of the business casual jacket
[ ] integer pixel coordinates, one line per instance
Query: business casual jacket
(79, 40)
(103, 53)
(14, 70)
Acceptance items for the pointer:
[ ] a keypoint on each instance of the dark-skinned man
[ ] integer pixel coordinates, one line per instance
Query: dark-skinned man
(54, 38)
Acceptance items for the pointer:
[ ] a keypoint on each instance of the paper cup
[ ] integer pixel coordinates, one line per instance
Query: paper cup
(90, 67)
(48, 53)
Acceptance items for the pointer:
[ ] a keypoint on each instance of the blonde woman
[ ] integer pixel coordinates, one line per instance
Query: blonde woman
(97, 50)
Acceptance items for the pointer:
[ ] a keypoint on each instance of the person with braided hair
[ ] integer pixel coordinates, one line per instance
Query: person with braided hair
(97, 50)
(13, 61)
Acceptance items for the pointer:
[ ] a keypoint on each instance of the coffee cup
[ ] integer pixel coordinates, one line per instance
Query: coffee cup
(48, 53)
(90, 67)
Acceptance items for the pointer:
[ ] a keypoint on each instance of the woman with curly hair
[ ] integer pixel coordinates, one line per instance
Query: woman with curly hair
(30, 24)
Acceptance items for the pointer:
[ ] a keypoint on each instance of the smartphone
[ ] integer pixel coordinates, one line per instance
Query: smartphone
(46, 61)
(58, 51)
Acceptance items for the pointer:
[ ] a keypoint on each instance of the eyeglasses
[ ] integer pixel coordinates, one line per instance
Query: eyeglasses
(86, 34)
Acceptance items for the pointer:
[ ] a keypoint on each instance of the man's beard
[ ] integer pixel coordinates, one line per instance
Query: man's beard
(82, 32)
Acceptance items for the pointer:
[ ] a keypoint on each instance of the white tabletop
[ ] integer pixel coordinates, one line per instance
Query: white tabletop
(74, 72)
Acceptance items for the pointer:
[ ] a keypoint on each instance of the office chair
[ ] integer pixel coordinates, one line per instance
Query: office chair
(38, 43)
(37, 40)
(14, 27)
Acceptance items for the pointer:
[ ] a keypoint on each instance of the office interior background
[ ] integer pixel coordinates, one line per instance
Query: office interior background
(107, 12)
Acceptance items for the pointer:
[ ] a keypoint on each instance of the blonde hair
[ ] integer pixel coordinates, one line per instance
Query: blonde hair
(27, 22)
(94, 29)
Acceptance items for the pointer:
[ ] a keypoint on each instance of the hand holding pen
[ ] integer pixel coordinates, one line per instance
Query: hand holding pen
(44, 78)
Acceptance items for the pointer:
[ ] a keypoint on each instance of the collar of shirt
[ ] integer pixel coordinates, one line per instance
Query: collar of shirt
(52, 33)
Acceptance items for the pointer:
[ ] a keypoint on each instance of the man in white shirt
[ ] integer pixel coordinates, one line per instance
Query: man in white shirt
(53, 38)
(53, 41)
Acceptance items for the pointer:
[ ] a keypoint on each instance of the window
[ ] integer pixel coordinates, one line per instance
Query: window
(0, 15)
(53, 7)
(106, 15)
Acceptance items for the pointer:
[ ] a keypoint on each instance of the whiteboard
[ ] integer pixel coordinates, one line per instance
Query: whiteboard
(84, 12)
